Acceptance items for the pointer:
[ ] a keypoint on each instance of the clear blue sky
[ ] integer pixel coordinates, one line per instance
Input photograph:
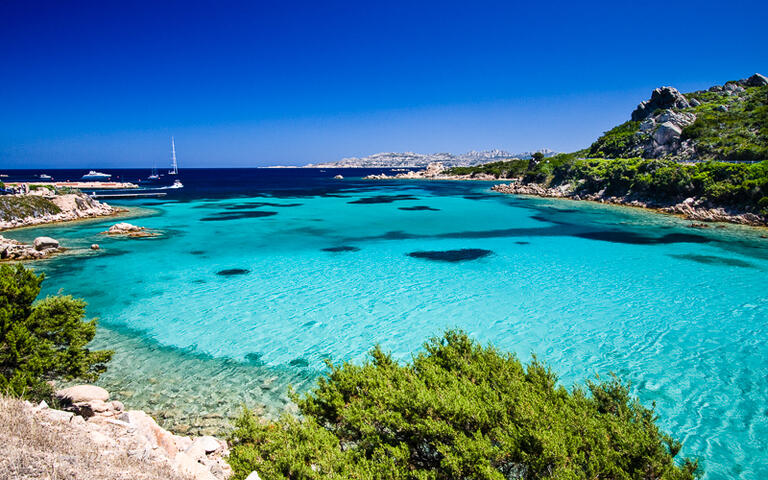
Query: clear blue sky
(100, 84)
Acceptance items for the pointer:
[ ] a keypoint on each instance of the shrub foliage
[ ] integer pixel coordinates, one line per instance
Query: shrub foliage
(42, 341)
(459, 410)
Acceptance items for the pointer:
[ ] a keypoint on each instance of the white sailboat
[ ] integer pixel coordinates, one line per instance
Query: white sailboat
(174, 166)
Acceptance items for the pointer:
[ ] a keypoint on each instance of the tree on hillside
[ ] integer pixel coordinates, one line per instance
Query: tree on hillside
(458, 410)
(43, 340)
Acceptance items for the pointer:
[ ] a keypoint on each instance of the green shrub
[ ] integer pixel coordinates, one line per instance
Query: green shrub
(42, 341)
(16, 207)
(505, 169)
(723, 184)
(619, 141)
(763, 205)
(459, 410)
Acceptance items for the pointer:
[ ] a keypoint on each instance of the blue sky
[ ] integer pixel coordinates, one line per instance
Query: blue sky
(105, 84)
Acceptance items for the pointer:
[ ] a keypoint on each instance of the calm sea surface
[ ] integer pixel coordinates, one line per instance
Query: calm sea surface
(262, 274)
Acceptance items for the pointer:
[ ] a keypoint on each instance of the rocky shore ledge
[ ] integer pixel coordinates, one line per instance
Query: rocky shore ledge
(41, 247)
(37, 208)
(434, 171)
(91, 436)
(690, 208)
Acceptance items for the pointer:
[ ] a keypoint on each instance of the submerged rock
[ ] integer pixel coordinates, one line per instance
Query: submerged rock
(417, 208)
(452, 255)
(342, 248)
(233, 271)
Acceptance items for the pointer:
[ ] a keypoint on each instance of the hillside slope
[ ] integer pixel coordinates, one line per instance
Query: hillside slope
(728, 122)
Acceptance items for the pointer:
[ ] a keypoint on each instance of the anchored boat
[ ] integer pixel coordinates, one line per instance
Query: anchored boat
(95, 176)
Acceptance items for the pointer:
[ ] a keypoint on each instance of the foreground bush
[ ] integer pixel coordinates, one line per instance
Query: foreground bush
(458, 411)
(42, 341)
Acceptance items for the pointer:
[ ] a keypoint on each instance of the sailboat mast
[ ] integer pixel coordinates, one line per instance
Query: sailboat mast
(174, 166)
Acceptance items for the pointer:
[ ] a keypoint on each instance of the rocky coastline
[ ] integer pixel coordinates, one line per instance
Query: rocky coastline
(41, 247)
(89, 421)
(690, 208)
(24, 210)
(434, 171)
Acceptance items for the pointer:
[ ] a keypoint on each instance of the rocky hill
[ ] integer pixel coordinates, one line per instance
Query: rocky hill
(725, 122)
(410, 159)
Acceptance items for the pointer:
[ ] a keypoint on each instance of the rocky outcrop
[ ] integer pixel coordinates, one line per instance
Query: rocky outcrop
(756, 80)
(45, 243)
(128, 230)
(660, 135)
(23, 210)
(690, 208)
(88, 412)
(41, 247)
(661, 98)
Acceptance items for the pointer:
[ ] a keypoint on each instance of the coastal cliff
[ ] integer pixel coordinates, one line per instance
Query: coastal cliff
(36, 208)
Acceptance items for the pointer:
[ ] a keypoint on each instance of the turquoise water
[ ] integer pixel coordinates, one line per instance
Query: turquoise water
(682, 313)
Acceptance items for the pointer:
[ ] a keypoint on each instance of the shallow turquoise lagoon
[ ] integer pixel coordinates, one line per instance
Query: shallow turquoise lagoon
(230, 305)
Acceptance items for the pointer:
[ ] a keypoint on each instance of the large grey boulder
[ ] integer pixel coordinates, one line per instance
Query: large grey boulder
(82, 393)
(664, 97)
(667, 133)
(757, 80)
(44, 243)
(681, 119)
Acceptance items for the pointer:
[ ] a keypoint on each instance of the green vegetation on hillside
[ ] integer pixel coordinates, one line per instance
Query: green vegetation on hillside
(740, 133)
(14, 207)
(459, 410)
(506, 169)
(43, 340)
(744, 186)
(618, 141)
(729, 125)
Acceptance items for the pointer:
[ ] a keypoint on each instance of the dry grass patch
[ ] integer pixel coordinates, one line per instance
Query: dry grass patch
(36, 447)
